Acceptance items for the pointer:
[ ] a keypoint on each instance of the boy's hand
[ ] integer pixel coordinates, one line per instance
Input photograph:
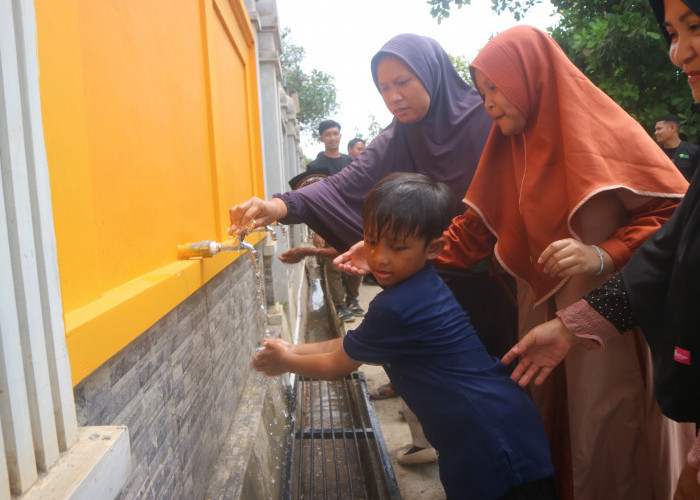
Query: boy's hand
(568, 257)
(270, 360)
(354, 260)
(542, 349)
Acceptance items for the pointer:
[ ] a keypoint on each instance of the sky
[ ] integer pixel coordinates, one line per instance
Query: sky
(341, 36)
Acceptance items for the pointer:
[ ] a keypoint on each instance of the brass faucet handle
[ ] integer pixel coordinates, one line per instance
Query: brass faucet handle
(206, 248)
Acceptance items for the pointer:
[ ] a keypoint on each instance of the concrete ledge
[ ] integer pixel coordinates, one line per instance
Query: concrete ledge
(95, 467)
(249, 465)
(275, 315)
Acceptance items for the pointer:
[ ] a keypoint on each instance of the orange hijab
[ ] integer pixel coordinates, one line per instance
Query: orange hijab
(577, 143)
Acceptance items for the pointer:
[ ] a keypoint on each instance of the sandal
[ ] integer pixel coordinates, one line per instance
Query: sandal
(385, 391)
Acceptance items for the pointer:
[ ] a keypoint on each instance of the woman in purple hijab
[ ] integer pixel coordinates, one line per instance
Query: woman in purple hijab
(445, 144)
(439, 129)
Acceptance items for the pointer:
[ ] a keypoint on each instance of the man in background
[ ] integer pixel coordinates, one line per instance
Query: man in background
(356, 146)
(344, 288)
(330, 158)
(683, 154)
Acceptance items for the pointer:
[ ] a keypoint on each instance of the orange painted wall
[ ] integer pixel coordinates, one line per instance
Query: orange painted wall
(150, 115)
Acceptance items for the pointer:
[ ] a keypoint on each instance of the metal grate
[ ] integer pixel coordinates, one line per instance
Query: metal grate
(336, 449)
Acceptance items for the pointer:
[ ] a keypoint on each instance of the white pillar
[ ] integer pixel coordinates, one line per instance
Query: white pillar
(37, 411)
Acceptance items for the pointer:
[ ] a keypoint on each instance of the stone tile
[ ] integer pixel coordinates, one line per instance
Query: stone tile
(121, 393)
(177, 386)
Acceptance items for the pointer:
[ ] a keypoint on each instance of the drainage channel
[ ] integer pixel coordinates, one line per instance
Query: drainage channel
(335, 448)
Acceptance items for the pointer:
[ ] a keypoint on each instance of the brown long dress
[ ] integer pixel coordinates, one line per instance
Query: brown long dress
(582, 169)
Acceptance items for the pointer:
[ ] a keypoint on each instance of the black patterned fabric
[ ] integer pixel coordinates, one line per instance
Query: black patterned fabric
(612, 302)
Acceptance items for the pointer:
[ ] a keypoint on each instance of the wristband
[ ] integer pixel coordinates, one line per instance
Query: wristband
(600, 254)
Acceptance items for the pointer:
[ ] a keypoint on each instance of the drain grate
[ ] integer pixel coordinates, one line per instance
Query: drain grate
(336, 449)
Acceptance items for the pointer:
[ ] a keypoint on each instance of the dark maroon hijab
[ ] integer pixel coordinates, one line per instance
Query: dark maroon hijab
(658, 8)
(445, 145)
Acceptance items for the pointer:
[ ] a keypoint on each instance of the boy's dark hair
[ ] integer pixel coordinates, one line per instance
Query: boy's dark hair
(670, 119)
(355, 141)
(326, 124)
(408, 205)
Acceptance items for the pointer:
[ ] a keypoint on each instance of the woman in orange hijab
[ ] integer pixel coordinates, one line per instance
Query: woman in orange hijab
(567, 188)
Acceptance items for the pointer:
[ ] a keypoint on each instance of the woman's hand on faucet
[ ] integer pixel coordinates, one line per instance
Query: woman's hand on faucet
(255, 213)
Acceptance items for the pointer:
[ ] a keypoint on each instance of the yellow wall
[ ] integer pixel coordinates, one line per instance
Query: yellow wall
(150, 115)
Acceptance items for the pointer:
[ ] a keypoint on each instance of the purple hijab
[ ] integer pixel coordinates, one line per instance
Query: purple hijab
(445, 145)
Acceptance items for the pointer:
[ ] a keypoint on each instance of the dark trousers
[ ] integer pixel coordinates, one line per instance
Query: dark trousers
(542, 489)
(490, 303)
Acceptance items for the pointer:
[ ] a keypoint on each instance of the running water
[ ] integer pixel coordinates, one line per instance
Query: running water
(209, 248)
(288, 270)
(285, 235)
(259, 283)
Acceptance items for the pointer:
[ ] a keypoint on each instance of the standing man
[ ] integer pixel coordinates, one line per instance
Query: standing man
(684, 154)
(344, 288)
(330, 158)
(356, 146)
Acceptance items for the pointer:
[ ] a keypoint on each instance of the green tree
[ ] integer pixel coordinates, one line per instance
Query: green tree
(462, 66)
(316, 91)
(440, 9)
(373, 130)
(618, 45)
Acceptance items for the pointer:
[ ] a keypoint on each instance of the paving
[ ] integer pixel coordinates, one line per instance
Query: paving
(416, 482)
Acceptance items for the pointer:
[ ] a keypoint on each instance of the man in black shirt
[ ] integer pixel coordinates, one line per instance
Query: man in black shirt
(344, 288)
(331, 158)
(684, 154)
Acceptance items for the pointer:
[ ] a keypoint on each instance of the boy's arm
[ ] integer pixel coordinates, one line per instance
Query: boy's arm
(315, 347)
(326, 361)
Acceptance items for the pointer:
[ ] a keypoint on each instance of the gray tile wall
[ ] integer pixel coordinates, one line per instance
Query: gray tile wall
(177, 386)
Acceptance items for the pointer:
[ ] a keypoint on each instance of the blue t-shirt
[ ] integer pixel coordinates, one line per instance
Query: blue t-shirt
(486, 429)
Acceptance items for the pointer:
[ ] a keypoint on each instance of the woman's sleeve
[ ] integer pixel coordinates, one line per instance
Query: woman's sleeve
(296, 210)
(467, 241)
(643, 222)
(603, 313)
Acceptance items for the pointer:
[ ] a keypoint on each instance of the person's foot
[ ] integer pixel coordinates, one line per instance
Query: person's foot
(344, 314)
(355, 308)
(413, 455)
(384, 391)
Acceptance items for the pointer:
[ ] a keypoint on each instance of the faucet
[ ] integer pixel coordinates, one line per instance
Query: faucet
(209, 248)
(244, 245)
(270, 229)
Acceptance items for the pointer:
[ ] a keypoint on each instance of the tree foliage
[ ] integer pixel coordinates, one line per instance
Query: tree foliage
(462, 66)
(316, 91)
(618, 45)
(373, 130)
(440, 9)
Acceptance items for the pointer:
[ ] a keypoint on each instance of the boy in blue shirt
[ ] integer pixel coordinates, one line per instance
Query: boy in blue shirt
(489, 436)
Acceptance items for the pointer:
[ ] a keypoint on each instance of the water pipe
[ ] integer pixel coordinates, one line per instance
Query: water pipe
(209, 248)
(269, 229)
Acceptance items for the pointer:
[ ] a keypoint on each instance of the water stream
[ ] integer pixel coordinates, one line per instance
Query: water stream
(259, 284)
